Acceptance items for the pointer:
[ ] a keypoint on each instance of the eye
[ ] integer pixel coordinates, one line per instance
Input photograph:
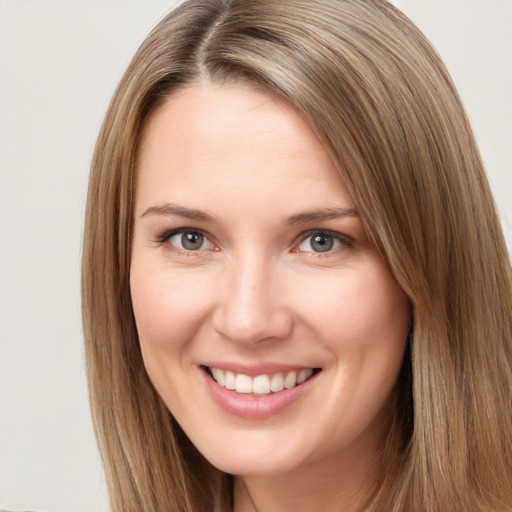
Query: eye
(323, 241)
(190, 241)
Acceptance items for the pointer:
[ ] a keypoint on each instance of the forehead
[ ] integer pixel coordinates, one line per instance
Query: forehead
(232, 139)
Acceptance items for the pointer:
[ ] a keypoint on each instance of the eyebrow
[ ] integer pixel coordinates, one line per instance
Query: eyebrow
(300, 218)
(180, 211)
(322, 215)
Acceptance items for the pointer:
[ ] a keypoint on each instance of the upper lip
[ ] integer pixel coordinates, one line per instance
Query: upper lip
(253, 370)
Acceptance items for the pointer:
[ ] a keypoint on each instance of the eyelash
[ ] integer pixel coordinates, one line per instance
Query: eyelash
(343, 240)
(167, 235)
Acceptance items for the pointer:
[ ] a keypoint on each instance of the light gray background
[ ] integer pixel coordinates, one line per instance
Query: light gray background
(59, 64)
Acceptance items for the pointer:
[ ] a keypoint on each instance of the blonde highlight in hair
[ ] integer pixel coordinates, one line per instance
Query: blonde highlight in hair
(379, 98)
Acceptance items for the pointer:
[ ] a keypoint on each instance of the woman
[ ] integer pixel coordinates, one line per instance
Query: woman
(296, 292)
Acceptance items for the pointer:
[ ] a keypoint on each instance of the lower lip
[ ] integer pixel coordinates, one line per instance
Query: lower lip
(255, 407)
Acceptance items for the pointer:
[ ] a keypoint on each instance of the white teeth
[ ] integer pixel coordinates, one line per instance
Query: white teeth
(277, 382)
(218, 375)
(220, 378)
(243, 383)
(304, 375)
(262, 384)
(290, 380)
(229, 380)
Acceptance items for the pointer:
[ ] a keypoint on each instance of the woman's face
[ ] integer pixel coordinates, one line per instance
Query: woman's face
(251, 270)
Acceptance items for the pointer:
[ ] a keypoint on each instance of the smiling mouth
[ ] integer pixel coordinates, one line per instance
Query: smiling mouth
(260, 385)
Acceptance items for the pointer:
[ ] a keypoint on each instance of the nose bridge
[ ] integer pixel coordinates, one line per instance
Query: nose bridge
(249, 309)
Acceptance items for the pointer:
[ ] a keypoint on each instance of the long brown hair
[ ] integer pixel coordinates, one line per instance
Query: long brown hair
(379, 98)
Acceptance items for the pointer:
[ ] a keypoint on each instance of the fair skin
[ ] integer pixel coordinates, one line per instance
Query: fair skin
(250, 259)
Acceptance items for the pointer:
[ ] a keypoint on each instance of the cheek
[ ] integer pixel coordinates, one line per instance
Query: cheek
(168, 308)
(362, 320)
(358, 309)
(379, 311)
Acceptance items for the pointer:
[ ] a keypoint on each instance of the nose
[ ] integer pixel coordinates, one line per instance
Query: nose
(251, 305)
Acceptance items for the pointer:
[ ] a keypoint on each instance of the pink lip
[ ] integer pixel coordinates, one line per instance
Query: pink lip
(253, 407)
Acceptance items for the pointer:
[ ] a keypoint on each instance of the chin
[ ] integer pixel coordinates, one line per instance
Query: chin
(253, 457)
(257, 465)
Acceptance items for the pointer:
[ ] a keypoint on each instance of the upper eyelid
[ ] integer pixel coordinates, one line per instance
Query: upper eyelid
(165, 235)
(336, 234)
(345, 242)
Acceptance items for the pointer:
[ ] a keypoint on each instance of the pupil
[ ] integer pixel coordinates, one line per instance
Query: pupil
(322, 243)
(192, 241)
